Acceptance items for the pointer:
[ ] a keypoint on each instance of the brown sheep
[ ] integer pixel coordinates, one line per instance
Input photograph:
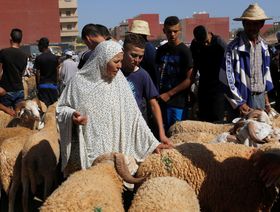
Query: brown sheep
(164, 194)
(222, 175)
(40, 157)
(190, 126)
(98, 188)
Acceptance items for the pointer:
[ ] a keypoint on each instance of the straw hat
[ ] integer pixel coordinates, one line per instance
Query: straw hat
(140, 27)
(253, 13)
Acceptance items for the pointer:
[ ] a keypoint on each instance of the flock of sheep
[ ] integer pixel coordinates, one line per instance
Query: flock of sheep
(211, 167)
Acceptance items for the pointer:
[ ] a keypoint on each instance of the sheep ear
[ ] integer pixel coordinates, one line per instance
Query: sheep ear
(123, 171)
(19, 106)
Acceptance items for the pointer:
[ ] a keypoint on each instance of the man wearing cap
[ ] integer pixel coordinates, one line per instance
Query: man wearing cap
(148, 62)
(245, 70)
(46, 66)
(67, 70)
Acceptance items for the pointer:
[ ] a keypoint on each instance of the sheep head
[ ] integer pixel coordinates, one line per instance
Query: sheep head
(259, 115)
(118, 159)
(28, 115)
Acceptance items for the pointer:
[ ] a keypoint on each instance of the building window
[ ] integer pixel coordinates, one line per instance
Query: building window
(69, 27)
(68, 13)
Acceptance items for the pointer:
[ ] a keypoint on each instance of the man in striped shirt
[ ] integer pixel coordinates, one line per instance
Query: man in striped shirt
(245, 71)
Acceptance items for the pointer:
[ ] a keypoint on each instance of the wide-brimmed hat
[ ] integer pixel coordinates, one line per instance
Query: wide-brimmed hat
(140, 27)
(253, 13)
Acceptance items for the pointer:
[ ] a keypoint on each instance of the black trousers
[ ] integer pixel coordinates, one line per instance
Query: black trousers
(48, 95)
(211, 106)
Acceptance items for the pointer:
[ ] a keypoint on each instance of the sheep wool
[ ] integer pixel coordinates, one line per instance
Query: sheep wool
(4, 119)
(191, 137)
(164, 194)
(13, 132)
(40, 157)
(10, 150)
(190, 126)
(222, 175)
(98, 188)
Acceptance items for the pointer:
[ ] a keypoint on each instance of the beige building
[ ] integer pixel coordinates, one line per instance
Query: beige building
(68, 20)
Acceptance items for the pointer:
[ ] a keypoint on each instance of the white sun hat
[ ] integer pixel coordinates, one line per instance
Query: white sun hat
(253, 13)
(140, 27)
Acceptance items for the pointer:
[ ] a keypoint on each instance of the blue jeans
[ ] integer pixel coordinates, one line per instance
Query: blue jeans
(170, 115)
(10, 99)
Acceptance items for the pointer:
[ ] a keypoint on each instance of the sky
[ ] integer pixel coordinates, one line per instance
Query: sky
(111, 12)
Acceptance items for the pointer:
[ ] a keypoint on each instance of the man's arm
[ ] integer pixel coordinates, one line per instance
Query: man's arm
(227, 77)
(1, 71)
(7, 110)
(186, 83)
(158, 118)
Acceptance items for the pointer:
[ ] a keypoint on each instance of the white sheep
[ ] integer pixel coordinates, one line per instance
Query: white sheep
(98, 188)
(222, 175)
(28, 114)
(40, 156)
(164, 194)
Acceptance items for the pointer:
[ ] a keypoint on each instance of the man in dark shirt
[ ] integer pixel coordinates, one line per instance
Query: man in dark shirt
(174, 61)
(46, 66)
(13, 62)
(140, 82)
(208, 53)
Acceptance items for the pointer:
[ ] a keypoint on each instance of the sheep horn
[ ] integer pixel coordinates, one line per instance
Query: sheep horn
(123, 171)
(237, 126)
(252, 133)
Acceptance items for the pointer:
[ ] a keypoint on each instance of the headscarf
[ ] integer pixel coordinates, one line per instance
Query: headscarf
(115, 124)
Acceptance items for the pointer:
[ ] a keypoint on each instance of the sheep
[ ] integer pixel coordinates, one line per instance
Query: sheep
(6, 133)
(252, 130)
(98, 188)
(4, 119)
(165, 194)
(190, 126)
(222, 175)
(29, 86)
(28, 114)
(40, 156)
(204, 137)
(10, 161)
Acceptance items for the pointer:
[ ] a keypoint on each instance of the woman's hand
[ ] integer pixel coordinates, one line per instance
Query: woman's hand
(162, 146)
(166, 141)
(79, 119)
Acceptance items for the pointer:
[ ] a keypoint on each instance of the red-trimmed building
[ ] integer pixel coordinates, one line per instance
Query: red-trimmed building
(217, 25)
(37, 19)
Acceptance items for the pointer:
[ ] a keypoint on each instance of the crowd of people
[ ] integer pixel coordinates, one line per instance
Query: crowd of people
(124, 98)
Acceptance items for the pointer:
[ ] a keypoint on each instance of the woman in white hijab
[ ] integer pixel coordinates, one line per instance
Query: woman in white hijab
(98, 114)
